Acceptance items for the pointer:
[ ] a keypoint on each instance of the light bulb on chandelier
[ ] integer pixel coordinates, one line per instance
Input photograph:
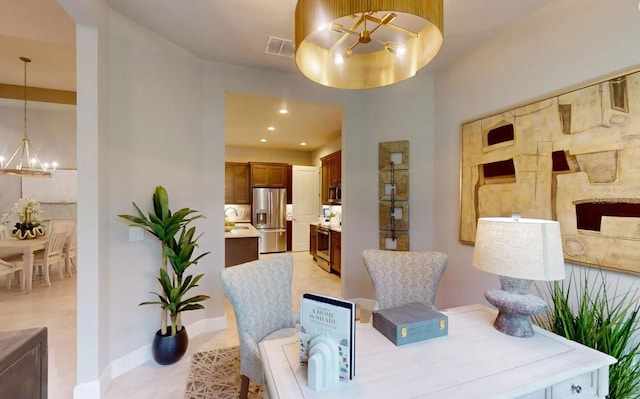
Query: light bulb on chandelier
(25, 162)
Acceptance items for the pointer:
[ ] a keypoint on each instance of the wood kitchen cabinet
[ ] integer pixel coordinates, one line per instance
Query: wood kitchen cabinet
(313, 240)
(268, 174)
(336, 251)
(236, 183)
(240, 250)
(332, 178)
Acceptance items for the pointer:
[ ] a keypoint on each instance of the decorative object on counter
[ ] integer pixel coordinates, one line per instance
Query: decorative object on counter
(25, 162)
(518, 250)
(333, 319)
(170, 345)
(362, 44)
(410, 323)
(323, 370)
(29, 214)
(393, 193)
(587, 311)
(229, 225)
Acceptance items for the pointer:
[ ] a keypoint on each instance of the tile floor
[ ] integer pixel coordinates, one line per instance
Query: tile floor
(55, 307)
(52, 307)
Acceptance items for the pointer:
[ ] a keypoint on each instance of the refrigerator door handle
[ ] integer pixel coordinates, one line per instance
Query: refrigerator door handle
(270, 208)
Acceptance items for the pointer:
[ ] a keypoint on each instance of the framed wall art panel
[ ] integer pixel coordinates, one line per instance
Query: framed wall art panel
(574, 158)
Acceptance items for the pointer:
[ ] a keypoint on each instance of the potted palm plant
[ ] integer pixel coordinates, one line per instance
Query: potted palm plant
(178, 241)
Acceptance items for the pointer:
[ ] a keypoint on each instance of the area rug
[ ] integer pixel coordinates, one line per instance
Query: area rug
(215, 374)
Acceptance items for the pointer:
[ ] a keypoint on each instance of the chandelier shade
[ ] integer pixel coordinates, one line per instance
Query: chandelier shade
(366, 43)
(25, 161)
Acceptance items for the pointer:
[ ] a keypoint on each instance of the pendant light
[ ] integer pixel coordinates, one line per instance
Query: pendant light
(361, 44)
(25, 162)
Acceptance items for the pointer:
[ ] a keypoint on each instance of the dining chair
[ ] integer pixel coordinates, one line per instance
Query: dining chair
(403, 277)
(260, 292)
(70, 250)
(10, 269)
(51, 256)
(4, 234)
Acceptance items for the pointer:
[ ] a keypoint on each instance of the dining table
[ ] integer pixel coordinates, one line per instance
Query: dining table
(27, 247)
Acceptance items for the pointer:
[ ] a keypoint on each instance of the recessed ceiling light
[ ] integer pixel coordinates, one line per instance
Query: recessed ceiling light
(263, 140)
(284, 111)
(271, 128)
(303, 144)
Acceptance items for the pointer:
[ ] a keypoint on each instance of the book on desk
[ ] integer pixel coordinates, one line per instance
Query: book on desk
(322, 315)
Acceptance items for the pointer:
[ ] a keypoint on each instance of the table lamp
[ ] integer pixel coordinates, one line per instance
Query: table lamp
(518, 250)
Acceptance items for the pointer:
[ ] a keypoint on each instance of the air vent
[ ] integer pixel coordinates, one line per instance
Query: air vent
(279, 46)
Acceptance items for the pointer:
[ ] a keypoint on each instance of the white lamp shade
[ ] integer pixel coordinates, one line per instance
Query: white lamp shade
(520, 248)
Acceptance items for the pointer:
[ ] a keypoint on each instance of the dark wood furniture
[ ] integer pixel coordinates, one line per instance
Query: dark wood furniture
(23, 364)
(289, 184)
(332, 178)
(236, 183)
(313, 240)
(240, 250)
(336, 251)
(289, 235)
(268, 174)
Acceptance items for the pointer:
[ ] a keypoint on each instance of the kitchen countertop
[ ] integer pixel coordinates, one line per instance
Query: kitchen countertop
(333, 227)
(239, 231)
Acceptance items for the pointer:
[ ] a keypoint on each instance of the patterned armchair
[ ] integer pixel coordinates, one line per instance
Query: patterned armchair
(401, 277)
(260, 292)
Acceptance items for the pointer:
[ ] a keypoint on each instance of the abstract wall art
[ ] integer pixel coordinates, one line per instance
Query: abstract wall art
(574, 158)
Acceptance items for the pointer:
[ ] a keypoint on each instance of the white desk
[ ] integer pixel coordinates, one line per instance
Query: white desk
(27, 247)
(473, 361)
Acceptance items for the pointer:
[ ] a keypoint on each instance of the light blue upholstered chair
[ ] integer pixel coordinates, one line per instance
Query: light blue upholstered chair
(402, 277)
(260, 292)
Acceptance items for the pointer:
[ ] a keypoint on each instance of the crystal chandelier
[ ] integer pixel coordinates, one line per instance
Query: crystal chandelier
(25, 162)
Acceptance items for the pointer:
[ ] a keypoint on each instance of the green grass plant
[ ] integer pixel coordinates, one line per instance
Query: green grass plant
(591, 313)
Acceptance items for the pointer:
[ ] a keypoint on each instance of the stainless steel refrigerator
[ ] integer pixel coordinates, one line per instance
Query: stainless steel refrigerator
(268, 214)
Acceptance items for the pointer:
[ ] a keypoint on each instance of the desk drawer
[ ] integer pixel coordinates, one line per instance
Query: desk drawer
(584, 386)
(580, 387)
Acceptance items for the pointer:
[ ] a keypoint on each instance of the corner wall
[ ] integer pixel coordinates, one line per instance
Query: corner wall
(403, 111)
(566, 44)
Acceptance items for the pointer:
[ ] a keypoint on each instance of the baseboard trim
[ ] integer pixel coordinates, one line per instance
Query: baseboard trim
(123, 364)
(88, 390)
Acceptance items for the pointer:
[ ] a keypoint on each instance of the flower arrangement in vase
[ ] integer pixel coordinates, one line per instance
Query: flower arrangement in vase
(29, 214)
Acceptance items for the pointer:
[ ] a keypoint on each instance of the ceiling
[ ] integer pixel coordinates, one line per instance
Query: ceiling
(232, 31)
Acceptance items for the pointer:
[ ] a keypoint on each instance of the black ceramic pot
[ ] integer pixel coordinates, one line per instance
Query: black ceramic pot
(167, 349)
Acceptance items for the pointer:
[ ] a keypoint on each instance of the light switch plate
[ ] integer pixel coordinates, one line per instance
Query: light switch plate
(136, 233)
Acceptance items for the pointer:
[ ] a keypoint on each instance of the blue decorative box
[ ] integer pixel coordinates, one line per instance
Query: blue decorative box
(410, 323)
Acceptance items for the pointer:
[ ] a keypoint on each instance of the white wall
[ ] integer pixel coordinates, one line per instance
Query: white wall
(403, 111)
(328, 148)
(568, 43)
(155, 138)
(252, 154)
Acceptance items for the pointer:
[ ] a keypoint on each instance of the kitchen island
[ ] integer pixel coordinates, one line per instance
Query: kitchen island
(241, 244)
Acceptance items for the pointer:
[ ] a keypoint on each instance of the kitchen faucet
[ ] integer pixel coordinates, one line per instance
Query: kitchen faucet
(230, 208)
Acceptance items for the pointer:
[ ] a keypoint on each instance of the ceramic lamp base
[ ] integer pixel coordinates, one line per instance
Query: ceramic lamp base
(515, 307)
